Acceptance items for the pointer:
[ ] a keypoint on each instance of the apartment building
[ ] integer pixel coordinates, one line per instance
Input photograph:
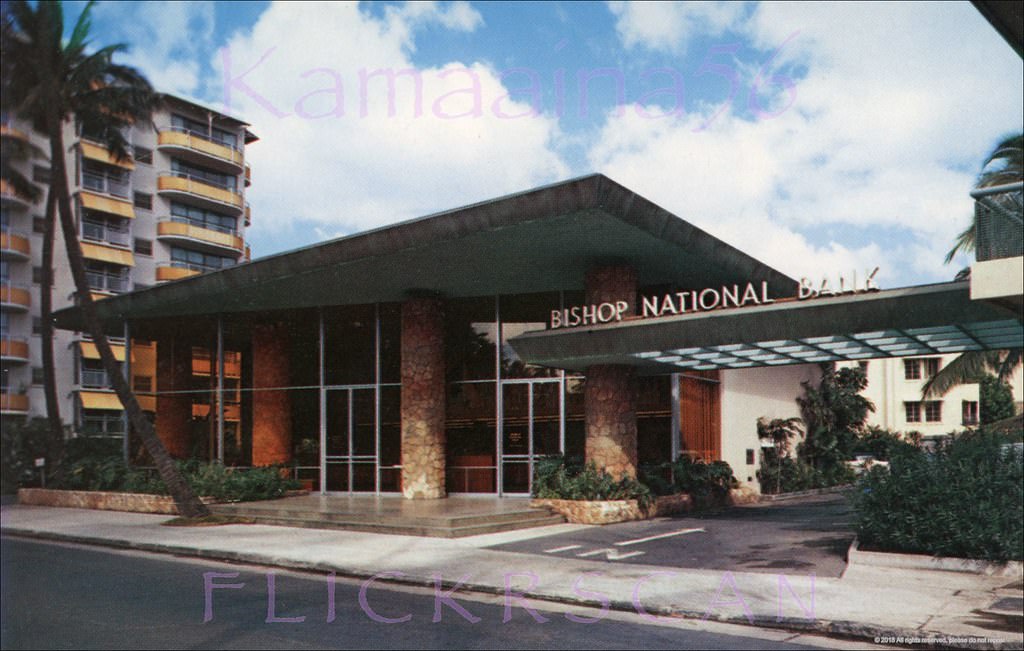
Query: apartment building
(175, 208)
(894, 386)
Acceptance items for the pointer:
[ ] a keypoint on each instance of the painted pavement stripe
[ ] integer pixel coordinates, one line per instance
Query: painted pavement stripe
(610, 554)
(663, 535)
(561, 549)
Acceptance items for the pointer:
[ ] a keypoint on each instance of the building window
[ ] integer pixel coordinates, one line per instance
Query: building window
(93, 375)
(933, 411)
(197, 261)
(38, 224)
(101, 422)
(41, 174)
(912, 370)
(37, 275)
(142, 383)
(205, 130)
(931, 366)
(143, 247)
(913, 411)
(863, 365)
(204, 174)
(106, 229)
(143, 200)
(107, 179)
(143, 155)
(37, 325)
(203, 218)
(969, 410)
(37, 375)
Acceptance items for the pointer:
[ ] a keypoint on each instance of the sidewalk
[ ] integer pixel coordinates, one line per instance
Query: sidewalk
(866, 603)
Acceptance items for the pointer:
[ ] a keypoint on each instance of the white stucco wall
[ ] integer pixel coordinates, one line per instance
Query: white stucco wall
(748, 394)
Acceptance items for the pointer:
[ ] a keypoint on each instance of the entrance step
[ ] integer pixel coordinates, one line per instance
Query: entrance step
(441, 526)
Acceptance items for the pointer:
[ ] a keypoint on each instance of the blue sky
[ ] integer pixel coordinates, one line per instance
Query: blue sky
(817, 137)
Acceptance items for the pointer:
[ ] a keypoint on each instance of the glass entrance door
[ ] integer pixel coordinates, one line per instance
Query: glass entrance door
(531, 427)
(350, 445)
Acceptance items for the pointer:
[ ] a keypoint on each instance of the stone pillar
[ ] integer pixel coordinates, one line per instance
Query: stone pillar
(423, 393)
(609, 395)
(271, 410)
(174, 410)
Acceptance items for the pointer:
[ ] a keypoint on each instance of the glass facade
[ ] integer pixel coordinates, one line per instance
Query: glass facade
(328, 383)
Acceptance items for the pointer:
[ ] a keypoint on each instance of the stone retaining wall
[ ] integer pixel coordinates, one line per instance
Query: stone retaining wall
(101, 500)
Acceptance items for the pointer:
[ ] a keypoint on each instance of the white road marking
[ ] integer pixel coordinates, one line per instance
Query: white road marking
(561, 549)
(610, 554)
(664, 535)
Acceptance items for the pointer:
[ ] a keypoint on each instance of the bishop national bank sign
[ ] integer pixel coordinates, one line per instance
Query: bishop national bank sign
(707, 299)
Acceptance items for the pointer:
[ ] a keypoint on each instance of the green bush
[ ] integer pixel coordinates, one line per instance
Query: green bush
(562, 479)
(965, 499)
(788, 474)
(882, 444)
(21, 443)
(97, 464)
(703, 480)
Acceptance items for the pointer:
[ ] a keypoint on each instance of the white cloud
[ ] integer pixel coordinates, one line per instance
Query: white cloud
(886, 132)
(335, 149)
(167, 38)
(668, 26)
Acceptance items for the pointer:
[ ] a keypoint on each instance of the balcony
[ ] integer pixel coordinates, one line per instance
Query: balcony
(14, 245)
(13, 403)
(113, 186)
(200, 149)
(12, 198)
(93, 379)
(176, 271)
(998, 275)
(12, 132)
(199, 191)
(248, 175)
(248, 214)
(106, 283)
(14, 350)
(218, 240)
(98, 152)
(15, 297)
(108, 205)
(106, 253)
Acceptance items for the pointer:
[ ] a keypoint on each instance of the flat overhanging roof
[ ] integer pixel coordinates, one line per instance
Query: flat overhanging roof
(924, 320)
(536, 241)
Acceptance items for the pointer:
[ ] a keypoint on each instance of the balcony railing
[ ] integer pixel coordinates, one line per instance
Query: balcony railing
(201, 187)
(14, 295)
(101, 281)
(999, 221)
(107, 185)
(202, 143)
(14, 348)
(15, 244)
(209, 234)
(13, 402)
(104, 234)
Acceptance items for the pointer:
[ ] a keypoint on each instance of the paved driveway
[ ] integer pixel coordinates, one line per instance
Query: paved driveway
(800, 536)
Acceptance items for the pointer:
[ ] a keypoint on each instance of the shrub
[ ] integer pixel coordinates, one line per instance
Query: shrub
(558, 478)
(787, 474)
(882, 444)
(21, 443)
(703, 480)
(963, 500)
(96, 464)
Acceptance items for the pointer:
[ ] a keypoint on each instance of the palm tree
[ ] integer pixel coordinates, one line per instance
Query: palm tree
(50, 82)
(1003, 166)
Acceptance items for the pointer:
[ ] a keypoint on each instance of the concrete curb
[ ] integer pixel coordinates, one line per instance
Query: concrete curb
(855, 556)
(837, 628)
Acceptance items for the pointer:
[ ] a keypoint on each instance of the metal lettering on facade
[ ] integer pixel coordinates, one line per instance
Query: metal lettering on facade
(707, 299)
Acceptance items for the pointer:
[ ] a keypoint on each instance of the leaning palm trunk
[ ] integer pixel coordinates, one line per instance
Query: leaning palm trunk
(46, 330)
(188, 504)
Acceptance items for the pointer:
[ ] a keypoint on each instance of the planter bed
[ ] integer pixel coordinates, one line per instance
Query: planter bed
(612, 511)
(109, 500)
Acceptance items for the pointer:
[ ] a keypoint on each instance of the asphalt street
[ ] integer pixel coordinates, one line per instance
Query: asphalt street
(805, 536)
(73, 597)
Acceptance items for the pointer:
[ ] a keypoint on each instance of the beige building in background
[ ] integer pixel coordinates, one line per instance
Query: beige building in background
(175, 208)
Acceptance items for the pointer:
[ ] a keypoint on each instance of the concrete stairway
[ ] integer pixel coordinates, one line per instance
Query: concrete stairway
(439, 526)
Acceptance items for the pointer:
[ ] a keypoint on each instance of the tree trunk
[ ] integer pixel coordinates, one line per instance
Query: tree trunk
(188, 504)
(46, 335)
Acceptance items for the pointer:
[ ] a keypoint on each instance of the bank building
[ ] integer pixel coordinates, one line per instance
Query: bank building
(447, 354)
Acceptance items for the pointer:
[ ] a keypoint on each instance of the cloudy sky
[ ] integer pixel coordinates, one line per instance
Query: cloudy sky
(817, 137)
